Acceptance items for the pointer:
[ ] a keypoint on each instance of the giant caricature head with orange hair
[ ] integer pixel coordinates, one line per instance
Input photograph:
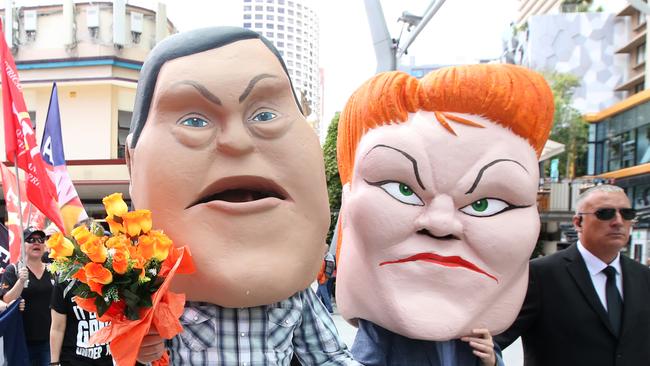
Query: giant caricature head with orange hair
(439, 211)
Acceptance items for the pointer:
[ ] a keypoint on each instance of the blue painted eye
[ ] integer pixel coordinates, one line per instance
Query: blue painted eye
(194, 122)
(264, 117)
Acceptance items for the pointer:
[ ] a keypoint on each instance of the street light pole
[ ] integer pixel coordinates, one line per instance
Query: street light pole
(387, 49)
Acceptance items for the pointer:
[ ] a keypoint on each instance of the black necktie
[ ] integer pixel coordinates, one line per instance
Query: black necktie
(614, 302)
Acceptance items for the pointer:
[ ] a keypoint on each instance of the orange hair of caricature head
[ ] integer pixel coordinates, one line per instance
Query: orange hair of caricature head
(512, 96)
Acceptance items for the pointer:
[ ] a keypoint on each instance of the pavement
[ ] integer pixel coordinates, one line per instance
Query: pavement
(512, 356)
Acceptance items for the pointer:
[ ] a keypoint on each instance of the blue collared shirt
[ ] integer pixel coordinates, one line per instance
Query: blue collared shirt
(259, 336)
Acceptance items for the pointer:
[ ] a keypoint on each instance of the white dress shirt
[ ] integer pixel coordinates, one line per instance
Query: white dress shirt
(595, 267)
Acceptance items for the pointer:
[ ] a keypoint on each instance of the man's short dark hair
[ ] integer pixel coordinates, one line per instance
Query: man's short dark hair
(180, 45)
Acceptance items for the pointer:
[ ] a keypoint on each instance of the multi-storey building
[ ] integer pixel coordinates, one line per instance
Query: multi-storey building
(94, 52)
(619, 136)
(293, 28)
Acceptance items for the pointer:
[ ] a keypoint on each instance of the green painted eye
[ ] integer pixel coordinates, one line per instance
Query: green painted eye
(486, 207)
(405, 190)
(402, 193)
(264, 117)
(194, 122)
(480, 205)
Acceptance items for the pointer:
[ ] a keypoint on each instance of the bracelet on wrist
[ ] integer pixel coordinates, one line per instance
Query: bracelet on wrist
(57, 363)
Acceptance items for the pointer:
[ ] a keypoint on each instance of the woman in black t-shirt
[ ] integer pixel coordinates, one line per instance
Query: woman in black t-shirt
(36, 316)
(72, 327)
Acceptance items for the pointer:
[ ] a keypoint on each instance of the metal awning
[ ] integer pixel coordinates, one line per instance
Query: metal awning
(551, 149)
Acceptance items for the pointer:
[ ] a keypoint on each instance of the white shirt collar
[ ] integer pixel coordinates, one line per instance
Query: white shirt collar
(596, 265)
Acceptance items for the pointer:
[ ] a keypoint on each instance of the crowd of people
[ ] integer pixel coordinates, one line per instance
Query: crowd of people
(56, 331)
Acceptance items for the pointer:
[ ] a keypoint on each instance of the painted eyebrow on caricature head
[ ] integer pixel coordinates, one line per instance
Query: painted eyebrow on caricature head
(482, 170)
(201, 89)
(406, 155)
(213, 98)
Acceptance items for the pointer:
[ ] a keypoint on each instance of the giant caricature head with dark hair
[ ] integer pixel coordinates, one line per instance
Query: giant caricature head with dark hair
(221, 154)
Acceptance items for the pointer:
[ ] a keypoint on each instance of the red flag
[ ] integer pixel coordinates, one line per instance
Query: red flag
(35, 218)
(20, 140)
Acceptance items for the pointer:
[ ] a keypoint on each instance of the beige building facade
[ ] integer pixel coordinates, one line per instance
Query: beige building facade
(94, 52)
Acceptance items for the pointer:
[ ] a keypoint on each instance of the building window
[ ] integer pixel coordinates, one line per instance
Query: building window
(269, 26)
(290, 20)
(269, 34)
(247, 25)
(291, 4)
(247, 1)
(247, 16)
(258, 25)
(247, 8)
(290, 12)
(269, 17)
(290, 29)
(269, 8)
(269, 1)
(123, 126)
(280, 44)
(280, 35)
(281, 2)
(289, 37)
(640, 54)
(638, 88)
(641, 18)
(259, 16)
(289, 63)
(280, 10)
(259, 8)
(643, 145)
(280, 26)
(290, 54)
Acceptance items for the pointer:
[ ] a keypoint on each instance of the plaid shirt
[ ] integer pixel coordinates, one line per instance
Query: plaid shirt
(259, 336)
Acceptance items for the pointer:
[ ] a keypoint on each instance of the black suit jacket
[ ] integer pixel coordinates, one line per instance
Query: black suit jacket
(563, 322)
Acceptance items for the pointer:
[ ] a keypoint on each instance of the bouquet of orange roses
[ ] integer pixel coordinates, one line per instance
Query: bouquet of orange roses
(123, 277)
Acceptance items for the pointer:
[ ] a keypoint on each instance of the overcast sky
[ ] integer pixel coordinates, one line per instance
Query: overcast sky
(463, 31)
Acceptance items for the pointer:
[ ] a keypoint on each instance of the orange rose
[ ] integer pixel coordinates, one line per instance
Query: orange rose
(81, 234)
(115, 226)
(145, 247)
(95, 250)
(137, 221)
(60, 246)
(118, 242)
(162, 244)
(115, 205)
(120, 260)
(97, 276)
(139, 262)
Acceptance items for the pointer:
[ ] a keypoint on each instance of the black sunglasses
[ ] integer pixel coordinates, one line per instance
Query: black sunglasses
(606, 214)
(34, 240)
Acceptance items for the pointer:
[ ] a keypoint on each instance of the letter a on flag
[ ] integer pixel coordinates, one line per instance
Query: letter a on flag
(72, 210)
(20, 141)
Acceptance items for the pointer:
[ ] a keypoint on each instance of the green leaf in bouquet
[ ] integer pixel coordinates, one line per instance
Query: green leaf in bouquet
(102, 306)
(68, 272)
(111, 292)
(83, 290)
(132, 312)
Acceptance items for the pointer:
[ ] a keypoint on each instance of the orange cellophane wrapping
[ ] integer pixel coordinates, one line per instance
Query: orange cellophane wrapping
(125, 336)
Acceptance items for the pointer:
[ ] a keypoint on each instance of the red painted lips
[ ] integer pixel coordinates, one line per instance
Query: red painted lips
(451, 261)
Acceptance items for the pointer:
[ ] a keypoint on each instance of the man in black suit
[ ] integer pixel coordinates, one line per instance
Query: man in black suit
(587, 304)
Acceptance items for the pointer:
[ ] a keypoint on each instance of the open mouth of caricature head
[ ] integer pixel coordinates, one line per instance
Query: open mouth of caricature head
(241, 190)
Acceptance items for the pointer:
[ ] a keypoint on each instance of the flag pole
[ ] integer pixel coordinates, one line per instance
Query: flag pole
(20, 217)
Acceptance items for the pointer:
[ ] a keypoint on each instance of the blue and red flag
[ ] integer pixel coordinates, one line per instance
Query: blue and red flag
(72, 210)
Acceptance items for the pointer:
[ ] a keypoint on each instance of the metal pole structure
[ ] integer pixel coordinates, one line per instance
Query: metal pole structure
(20, 217)
(383, 43)
(433, 8)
